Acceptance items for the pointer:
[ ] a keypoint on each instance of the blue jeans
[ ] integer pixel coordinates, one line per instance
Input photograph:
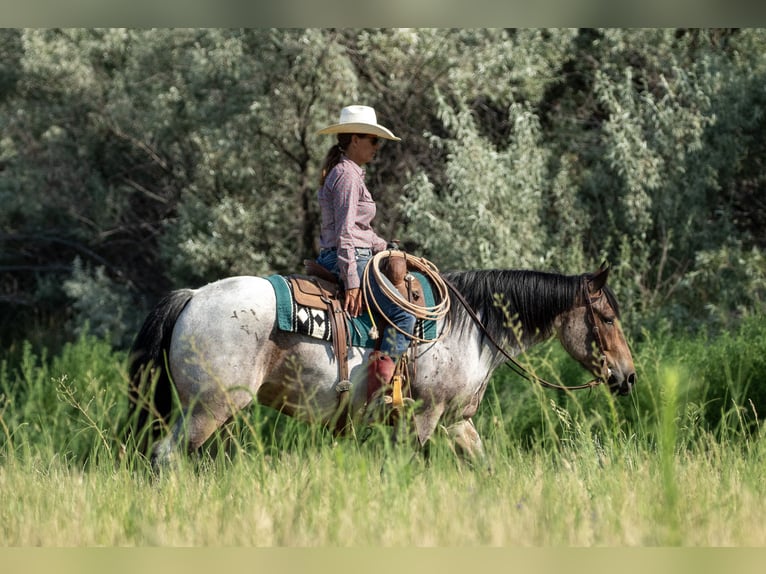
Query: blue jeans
(393, 343)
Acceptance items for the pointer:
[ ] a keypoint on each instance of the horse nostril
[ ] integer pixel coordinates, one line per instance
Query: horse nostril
(632, 379)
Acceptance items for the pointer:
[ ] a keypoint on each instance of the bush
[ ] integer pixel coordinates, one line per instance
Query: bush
(70, 406)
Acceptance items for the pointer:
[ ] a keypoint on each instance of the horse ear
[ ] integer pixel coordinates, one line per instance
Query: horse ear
(598, 279)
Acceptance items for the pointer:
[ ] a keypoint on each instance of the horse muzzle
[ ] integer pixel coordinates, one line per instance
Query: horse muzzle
(620, 384)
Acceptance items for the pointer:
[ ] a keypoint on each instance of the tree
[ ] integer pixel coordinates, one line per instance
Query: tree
(134, 161)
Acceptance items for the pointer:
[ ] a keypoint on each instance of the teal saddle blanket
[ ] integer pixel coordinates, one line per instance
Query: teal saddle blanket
(315, 323)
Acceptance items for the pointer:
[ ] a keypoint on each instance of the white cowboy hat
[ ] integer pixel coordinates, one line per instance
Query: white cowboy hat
(359, 120)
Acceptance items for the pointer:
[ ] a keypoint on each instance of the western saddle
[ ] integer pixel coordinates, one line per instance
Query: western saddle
(319, 289)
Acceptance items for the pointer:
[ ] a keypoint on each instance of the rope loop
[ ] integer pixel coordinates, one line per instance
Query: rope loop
(420, 264)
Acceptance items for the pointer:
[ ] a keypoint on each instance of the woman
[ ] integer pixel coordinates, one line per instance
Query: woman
(347, 240)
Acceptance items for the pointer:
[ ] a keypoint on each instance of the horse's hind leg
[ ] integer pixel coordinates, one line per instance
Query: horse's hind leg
(187, 433)
(468, 445)
(165, 451)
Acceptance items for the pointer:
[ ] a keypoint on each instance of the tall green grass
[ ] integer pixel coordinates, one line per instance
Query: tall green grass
(71, 405)
(679, 462)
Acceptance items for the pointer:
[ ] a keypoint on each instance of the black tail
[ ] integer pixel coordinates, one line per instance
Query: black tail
(150, 395)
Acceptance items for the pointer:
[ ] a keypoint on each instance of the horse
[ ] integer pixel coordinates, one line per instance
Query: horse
(216, 349)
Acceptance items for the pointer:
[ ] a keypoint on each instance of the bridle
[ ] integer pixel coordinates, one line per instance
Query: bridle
(519, 369)
(602, 348)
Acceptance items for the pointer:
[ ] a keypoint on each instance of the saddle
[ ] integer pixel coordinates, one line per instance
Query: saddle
(319, 289)
(318, 292)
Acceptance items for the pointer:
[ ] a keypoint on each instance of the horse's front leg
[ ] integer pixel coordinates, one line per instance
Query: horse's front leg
(424, 423)
(468, 445)
(414, 430)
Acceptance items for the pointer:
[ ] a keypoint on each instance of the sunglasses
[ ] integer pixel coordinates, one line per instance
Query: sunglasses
(374, 140)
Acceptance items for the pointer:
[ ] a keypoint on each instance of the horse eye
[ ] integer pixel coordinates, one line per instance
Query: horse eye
(608, 321)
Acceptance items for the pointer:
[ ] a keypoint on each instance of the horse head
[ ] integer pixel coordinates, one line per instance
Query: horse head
(591, 332)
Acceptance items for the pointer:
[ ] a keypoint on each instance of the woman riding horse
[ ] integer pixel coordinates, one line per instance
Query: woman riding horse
(347, 240)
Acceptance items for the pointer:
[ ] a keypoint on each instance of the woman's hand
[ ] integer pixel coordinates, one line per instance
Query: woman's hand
(353, 303)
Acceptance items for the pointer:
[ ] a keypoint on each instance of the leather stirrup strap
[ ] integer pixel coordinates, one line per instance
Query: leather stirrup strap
(340, 346)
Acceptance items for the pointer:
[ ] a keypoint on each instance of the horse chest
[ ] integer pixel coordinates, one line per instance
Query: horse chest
(454, 376)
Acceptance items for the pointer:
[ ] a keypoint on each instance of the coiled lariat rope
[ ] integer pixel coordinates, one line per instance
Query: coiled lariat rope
(420, 264)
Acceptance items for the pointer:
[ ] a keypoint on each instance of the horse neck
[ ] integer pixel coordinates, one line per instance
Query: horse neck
(517, 308)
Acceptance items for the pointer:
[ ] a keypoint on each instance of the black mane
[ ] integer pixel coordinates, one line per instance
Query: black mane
(533, 299)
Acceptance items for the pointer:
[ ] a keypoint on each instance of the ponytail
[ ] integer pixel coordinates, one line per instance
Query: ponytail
(334, 155)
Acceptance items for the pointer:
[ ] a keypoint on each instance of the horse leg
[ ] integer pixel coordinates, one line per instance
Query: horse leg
(425, 422)
(414, 430)
(165, 451)
(191, 431)
(468, 445)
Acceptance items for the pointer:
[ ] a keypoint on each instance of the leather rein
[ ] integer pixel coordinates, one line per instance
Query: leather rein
(515, 366)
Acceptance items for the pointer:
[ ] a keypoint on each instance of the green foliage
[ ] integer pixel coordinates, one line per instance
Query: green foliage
(495, 224)
(69, 406)
(161, 158)
(100, 306)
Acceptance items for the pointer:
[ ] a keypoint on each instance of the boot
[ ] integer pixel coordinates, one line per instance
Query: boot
(380, 371)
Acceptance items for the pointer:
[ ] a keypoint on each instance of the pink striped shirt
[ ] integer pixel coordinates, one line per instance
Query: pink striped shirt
(347, 210)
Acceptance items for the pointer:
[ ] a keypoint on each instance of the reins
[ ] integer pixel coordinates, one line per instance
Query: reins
(444, 286)
(519, 369)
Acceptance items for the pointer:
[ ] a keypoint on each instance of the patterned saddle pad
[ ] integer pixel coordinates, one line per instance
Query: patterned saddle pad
(315, 323)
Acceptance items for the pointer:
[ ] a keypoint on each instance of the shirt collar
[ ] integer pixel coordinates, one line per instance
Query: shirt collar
(353, 165)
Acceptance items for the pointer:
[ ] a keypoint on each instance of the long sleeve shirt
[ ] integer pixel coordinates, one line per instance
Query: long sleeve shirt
(347, 210)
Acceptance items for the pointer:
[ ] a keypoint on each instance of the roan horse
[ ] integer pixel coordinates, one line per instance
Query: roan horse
(218, 348)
